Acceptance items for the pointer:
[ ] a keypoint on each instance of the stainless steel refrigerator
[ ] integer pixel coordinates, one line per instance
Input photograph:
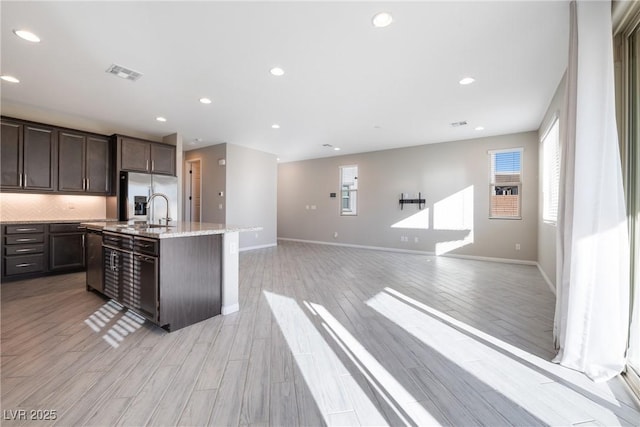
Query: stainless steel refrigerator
(136, 189)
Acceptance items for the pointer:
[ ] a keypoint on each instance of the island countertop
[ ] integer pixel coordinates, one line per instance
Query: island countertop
(175, 229)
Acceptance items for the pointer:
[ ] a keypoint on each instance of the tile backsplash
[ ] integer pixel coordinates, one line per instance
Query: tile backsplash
(31, 207)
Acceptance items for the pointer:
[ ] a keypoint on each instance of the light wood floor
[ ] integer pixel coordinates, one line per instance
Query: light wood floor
(325, 335)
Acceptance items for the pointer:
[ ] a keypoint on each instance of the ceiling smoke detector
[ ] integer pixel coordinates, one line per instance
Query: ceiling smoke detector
(327, 145)
(458, 124)
(124, 73)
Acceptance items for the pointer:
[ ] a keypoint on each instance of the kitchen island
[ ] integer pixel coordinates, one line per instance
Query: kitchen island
(173, 275)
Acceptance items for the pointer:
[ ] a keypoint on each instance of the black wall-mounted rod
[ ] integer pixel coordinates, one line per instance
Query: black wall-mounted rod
(419, 201)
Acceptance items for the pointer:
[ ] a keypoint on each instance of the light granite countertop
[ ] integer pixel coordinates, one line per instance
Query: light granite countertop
(175, 229)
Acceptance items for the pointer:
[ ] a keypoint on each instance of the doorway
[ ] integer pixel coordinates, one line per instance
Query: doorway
(193, 190)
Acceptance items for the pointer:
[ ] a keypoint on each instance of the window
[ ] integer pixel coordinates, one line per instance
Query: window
(505, 183)
(551, 173)
(349, 190)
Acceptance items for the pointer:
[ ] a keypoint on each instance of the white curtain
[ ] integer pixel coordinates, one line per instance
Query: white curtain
(592, 308)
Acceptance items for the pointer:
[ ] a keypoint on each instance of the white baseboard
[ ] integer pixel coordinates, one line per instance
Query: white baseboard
(228, 309)
(252, 248)
(546, 278)
(409, 251)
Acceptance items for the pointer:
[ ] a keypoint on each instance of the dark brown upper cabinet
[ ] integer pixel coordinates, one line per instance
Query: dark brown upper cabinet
(137, 155)
(163, 159)
(28, 153)
(84, 163)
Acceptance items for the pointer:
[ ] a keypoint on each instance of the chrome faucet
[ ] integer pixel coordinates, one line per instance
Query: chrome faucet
(149, 216)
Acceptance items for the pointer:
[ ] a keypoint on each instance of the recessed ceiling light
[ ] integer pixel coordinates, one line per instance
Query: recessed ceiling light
(336, 148)
(275, 126)
(479, 127)
(9, 79)
(467, 81)
(382, 19)
(205, 100)
(277, 71)
(27, 35)
(161, 119)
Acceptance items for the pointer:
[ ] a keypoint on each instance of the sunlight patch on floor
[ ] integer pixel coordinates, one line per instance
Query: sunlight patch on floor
(386, 385)
(525, 379)
(329, 381)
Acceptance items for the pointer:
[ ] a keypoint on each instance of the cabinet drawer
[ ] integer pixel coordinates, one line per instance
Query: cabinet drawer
(24, 249)
(24, 264)
(22, 239)
(24, 228)
(66, 228)
(119, 241)
(145, 246)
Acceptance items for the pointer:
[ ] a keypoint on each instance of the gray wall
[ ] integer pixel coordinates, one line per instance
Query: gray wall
(452, 176)
(249, 183)
(214, 180)
(547, 231)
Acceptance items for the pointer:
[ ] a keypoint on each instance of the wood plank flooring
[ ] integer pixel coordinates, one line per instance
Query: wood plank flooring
(325, 336)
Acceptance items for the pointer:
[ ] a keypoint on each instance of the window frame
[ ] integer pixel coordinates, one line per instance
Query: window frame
(519, 184)
(352, 191)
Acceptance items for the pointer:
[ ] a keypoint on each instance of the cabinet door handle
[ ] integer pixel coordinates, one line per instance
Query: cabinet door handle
(83, 241)
(26, 229)
(25, 250)
(25, 264)
(87, 184)
(147, 165)
(25, 240)
(153, 165)
(20, 185)
(25, 181)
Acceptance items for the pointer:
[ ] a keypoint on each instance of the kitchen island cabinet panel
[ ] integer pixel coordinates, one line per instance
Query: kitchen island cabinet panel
(190, 280)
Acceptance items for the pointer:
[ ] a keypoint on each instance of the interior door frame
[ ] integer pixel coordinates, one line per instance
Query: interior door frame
(187, 208)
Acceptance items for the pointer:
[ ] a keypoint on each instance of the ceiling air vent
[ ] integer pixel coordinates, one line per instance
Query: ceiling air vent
(458, 124)
(124, 73)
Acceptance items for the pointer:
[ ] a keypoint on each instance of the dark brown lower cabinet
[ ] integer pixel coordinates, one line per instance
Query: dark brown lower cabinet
(23, 251)
(130, 277)
(66, 247)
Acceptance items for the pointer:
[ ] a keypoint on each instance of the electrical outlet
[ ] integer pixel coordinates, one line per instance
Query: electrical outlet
(220, 206)
(313, 207)
(307, 207)
(415, 240)
(335, 234)
(517, 246)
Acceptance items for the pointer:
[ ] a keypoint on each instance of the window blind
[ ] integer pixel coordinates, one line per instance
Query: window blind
(551, 173)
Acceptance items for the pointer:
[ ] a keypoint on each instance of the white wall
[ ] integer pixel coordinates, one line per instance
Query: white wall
(452, 176)
(252, 187)
(249, 183)
(547, 231)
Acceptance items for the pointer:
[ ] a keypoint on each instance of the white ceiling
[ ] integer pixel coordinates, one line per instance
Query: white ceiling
(347, 83)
